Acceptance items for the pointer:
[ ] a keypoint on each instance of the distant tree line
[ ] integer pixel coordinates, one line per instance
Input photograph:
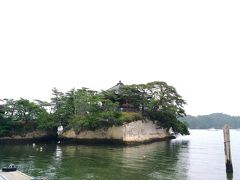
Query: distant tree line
(215, 120)
(83, 109)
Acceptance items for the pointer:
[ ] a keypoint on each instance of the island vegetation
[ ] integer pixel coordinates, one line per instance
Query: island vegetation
(215, 120)
(82, 109)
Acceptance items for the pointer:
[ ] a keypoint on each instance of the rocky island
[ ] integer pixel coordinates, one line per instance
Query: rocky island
(128, 114)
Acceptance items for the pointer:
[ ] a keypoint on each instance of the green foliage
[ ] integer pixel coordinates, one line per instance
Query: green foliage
(165, 98)
(88, 122)
(93, 110)
(87, 109)
(93, 121)
(22, 116)
(47, 121)
(5, 126)
(109, 116)
(126, 117)
(62, 107)
(156, 100)
(180, 127)
(86, 101)
(168, 120)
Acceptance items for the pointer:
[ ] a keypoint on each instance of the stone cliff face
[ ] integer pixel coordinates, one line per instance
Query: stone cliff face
(134, 132)
(141, 131)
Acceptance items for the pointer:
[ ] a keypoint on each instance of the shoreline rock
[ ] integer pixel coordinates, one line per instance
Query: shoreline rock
(29, 137)
(136, 132)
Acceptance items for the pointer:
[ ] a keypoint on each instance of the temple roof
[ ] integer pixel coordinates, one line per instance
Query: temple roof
(116, 87)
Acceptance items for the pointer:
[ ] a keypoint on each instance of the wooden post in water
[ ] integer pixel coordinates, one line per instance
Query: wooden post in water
(227, 149)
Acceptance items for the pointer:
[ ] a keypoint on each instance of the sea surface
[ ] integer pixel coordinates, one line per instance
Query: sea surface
(199, 156)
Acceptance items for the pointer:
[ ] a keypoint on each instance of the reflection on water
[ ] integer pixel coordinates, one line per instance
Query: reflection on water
(153, 161)
(199, 156)
(58, 155)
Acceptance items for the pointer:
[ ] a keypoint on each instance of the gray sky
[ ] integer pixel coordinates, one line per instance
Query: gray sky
(192, 45)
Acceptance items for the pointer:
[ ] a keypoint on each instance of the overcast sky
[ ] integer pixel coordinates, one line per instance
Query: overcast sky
(192, 45)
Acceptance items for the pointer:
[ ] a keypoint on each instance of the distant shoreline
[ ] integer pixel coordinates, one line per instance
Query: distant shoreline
(215, 120)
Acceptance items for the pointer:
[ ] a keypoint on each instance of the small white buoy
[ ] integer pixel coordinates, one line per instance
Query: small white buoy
(58, 142)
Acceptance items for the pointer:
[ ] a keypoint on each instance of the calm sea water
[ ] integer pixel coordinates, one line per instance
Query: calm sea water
(199, 156)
